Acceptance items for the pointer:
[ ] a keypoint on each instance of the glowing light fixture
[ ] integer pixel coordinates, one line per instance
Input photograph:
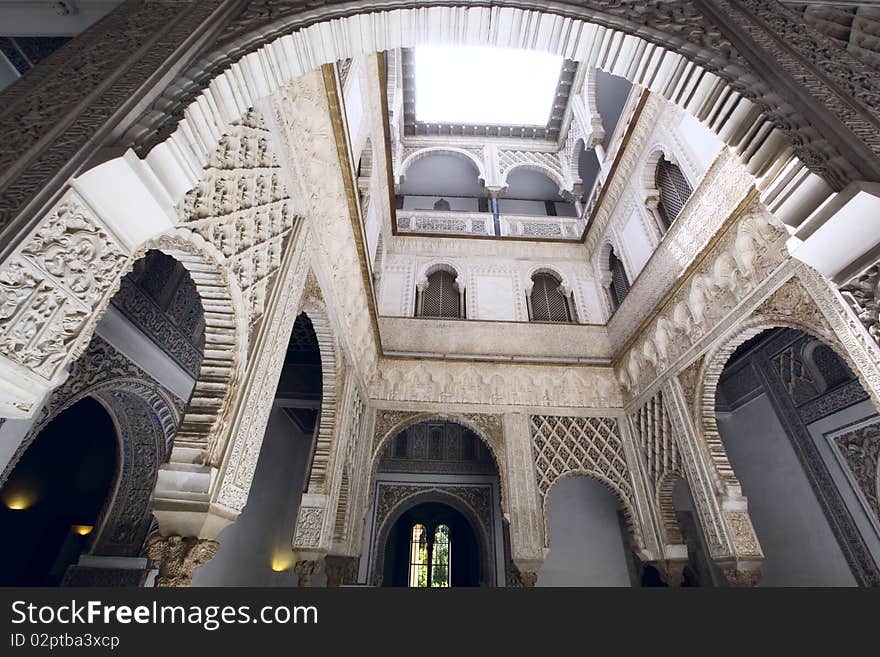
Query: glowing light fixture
(82, 530)
(281, 562)
(19, 500)
(485, 86)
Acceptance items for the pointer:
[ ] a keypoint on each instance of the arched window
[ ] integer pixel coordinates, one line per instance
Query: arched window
(619, 286)
(547, 302)
(441, 297)
(674, 190)
(430, 561)
(442, 205)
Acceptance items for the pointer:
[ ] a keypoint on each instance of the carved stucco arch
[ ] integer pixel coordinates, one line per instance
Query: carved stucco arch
(460, 153)
(649, 168)
(422, 496)
(666, 507)
(145, 419)
(710, 373)
(536, 167)
(458, 271)
(204, 423)
(632, 523)
(671, 49)
(492, 438)
(562, 279)
(331, 383)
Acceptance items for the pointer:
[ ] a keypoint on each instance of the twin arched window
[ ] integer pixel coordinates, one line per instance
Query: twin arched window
(618, 288)
(674, 191)
(547, 302)
(430, 561)
(441, 297)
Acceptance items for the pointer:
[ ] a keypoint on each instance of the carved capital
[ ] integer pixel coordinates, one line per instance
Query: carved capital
(673, 573)
(305, 570)
(528, 578)
(743, 577)
(177, 557)
(340, 570)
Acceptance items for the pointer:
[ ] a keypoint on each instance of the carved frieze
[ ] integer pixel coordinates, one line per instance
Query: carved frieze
(738, 264)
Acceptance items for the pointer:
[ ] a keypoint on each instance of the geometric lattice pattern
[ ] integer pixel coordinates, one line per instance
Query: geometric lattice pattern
(587, 445)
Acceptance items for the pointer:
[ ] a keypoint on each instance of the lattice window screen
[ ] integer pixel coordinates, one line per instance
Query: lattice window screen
(441, 298)
(619, 280)
(547, 301)
(674, 190)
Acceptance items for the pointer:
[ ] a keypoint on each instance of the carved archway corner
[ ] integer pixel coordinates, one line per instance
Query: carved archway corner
(689, 379)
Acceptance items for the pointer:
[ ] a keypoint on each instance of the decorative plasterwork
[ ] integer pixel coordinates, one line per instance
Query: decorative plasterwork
(145, 417)
(159, 325)
(653, 430)
(241, 206)
(488, 427)
(260, 381)
(739, 263)
(669, 24)
(495, 384)
(226, 341)
(720, 195)
(52, 292)
(860, 449)
(100, 368)
(300, 112)
(393, 499)
(589, 446)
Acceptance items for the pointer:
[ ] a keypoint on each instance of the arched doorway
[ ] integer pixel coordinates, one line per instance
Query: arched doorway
(432, 545)
(256, 549)
(433, 473)
(57, 494)
(790, 413)
(588, 544)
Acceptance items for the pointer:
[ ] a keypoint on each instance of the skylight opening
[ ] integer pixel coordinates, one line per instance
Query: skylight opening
(485, 86)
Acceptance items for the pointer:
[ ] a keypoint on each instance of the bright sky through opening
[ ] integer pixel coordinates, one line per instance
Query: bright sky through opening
(485, 86)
